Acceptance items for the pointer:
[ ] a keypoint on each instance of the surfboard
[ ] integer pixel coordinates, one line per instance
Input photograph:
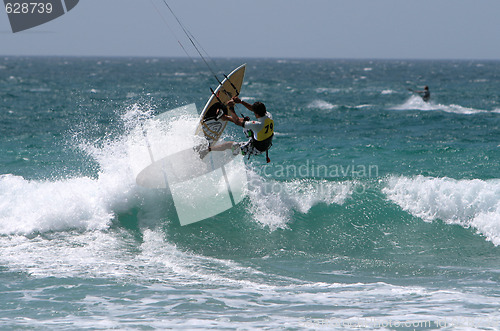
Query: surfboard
(209, 126)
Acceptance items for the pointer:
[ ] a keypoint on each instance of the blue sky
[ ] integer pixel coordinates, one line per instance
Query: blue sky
(367, 29)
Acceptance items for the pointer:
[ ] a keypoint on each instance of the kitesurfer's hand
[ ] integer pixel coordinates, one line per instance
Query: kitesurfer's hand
(230, 105)
(236, 99)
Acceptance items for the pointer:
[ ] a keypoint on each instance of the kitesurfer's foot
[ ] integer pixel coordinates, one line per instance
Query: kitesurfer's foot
(236, 149)
(204, 152)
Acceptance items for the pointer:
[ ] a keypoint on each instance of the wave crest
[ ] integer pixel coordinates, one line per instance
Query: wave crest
(274, 202)
(469, 203)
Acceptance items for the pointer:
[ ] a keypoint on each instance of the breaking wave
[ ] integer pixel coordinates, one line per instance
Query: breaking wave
(470, 203)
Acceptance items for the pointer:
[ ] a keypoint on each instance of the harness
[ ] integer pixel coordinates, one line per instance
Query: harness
(263, 146)
(260, 145)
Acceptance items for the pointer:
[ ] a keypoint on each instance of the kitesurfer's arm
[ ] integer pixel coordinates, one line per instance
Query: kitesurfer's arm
(244, 103)
(232, 115)
(424, 93)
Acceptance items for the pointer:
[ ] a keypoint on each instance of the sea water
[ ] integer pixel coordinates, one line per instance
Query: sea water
(378, 211)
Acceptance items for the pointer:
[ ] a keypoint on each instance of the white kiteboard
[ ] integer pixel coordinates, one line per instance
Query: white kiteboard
(209, 126)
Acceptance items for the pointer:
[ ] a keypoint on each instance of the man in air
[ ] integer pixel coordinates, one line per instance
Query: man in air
(260, 131)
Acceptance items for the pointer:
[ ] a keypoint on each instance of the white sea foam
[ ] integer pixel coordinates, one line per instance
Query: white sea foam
(328, 90)
(39, 206)
(416, 103)
(470, 203)
(60, 204)
(170, 280)
(321, 104)
(363, 106)
(273, 202)
(69, 254)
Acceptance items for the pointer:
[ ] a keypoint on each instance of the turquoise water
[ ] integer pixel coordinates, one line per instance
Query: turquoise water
(378, 211)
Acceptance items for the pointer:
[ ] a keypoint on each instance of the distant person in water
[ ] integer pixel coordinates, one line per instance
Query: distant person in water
(425, 94)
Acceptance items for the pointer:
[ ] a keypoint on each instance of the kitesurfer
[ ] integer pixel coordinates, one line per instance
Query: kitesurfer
(260, 131)
(425, 94)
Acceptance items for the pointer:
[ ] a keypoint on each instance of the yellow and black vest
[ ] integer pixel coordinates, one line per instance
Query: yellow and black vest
(262, 140)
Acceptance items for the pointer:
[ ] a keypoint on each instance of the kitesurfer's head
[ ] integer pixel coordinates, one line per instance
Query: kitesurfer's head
(426, 87)
(259, 109)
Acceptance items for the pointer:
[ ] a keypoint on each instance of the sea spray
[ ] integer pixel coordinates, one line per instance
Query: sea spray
(79, 202)
(416, 103)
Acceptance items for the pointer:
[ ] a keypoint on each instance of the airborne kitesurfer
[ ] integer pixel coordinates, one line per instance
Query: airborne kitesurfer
(260, 131)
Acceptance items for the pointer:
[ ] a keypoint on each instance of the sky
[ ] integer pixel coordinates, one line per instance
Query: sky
(346, 29)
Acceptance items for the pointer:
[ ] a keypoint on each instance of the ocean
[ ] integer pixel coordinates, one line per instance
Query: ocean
(378, 211)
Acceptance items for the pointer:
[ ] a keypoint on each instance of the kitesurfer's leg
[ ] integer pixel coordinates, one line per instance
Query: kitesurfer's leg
(223, 146)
